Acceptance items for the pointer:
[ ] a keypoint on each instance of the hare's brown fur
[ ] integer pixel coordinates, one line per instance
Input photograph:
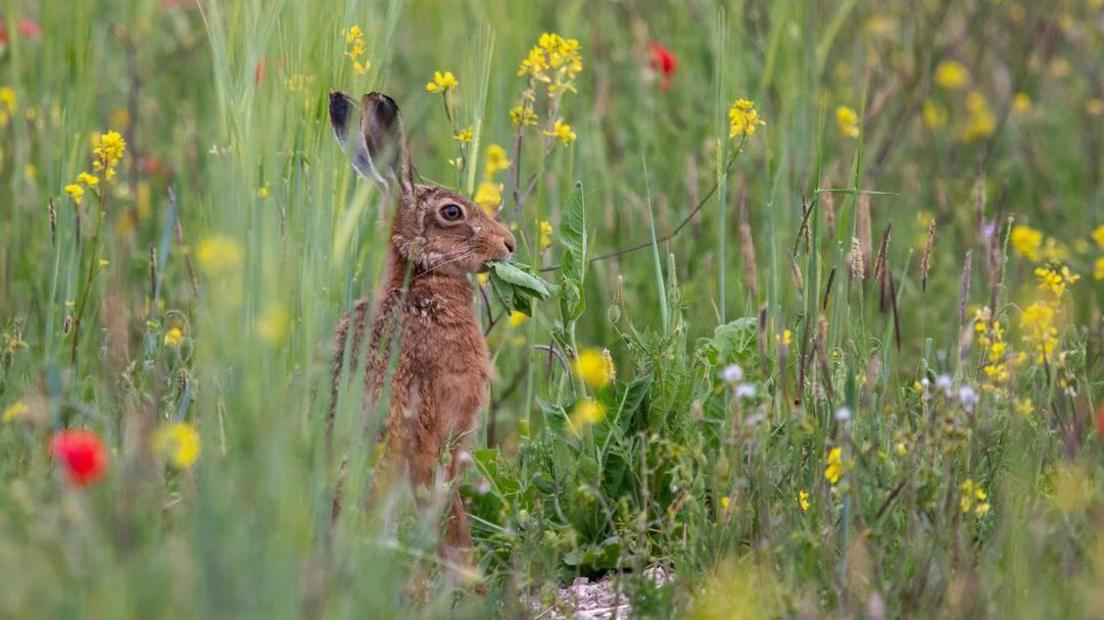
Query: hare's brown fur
(425, 313)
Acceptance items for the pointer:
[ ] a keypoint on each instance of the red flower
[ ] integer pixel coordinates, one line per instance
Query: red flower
(82, 453)
(1100, 422)
(29, 28)
(664, 62)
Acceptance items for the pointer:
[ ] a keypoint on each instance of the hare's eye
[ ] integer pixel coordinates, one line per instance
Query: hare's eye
(451, 212)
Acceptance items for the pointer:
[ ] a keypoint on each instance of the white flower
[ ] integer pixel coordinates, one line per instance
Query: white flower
(745, 390)
(732, 374)
(967, 396)
(944, 382)
(482, 487)
(843, 414)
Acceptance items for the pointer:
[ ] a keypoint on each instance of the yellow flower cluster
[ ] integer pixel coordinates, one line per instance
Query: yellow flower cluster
(951, 75)
(1098, 266)
(522, 115)
(586, 412)
(356, 50)
(990, 337)
(836, 466)
(595, 366)
(743, 119)
(1055, 279)
(442, 82)
(973, 498)
(1040, 330)
(545, 234)
(848, 121)
(465, 135)
(173, 337)
(803, 501)
(554, 60)
(107, 150)
(177, 443)
(219, 254)
(489, 193)
(7, 104)
(562, 132)
(1026, 241)
(980, 121)
(1039, 321)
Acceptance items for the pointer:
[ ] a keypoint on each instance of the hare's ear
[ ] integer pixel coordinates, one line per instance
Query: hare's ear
(385, 138)
(343, 110)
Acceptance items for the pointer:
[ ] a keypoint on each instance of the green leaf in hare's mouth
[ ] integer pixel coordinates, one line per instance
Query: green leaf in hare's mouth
(515, 285)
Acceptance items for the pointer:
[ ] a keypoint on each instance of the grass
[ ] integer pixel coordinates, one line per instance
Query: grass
(235, 219)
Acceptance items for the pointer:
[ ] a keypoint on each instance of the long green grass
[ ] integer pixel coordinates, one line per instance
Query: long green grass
(236, 219)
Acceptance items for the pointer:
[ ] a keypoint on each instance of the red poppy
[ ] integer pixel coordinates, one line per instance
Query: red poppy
(81, 453)
(259, 72)
(664, 62)
(29, 28)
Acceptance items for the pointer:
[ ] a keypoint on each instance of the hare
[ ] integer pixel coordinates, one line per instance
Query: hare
(425, 310)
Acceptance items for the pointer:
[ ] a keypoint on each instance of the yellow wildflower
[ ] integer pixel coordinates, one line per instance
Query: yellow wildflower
(848, 121)
(803, 501)
(981, 123)
(785, 338)
(545, 234)
(7, 99)
(489, 195)
(743, 119)
(951, 75)
(464, 136)
(355, 48)
(973, 497)
(262, 192)
(497, 161)
(562, 131)
(555, 61)
(1040, 331)
(517, 318)
(107, 150)
(586, 412)
(1098, 269)
(901, 448)
(1021, 103)
(173, 337)
(836, 466)
(595, 367)
(218, 254)
(74, 191)
(15, 410)
(89, 180)
(442, 82)
(523, 116)
(1055, 280)
(1095, 107)
(935, 116)
(1026, 241)
(1024, 407)
(178, 443)
(1098, 235)
(272, 326)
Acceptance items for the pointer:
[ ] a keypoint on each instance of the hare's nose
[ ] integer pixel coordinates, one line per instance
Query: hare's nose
(510, 244)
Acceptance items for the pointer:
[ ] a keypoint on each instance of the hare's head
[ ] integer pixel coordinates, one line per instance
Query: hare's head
(436, 228)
